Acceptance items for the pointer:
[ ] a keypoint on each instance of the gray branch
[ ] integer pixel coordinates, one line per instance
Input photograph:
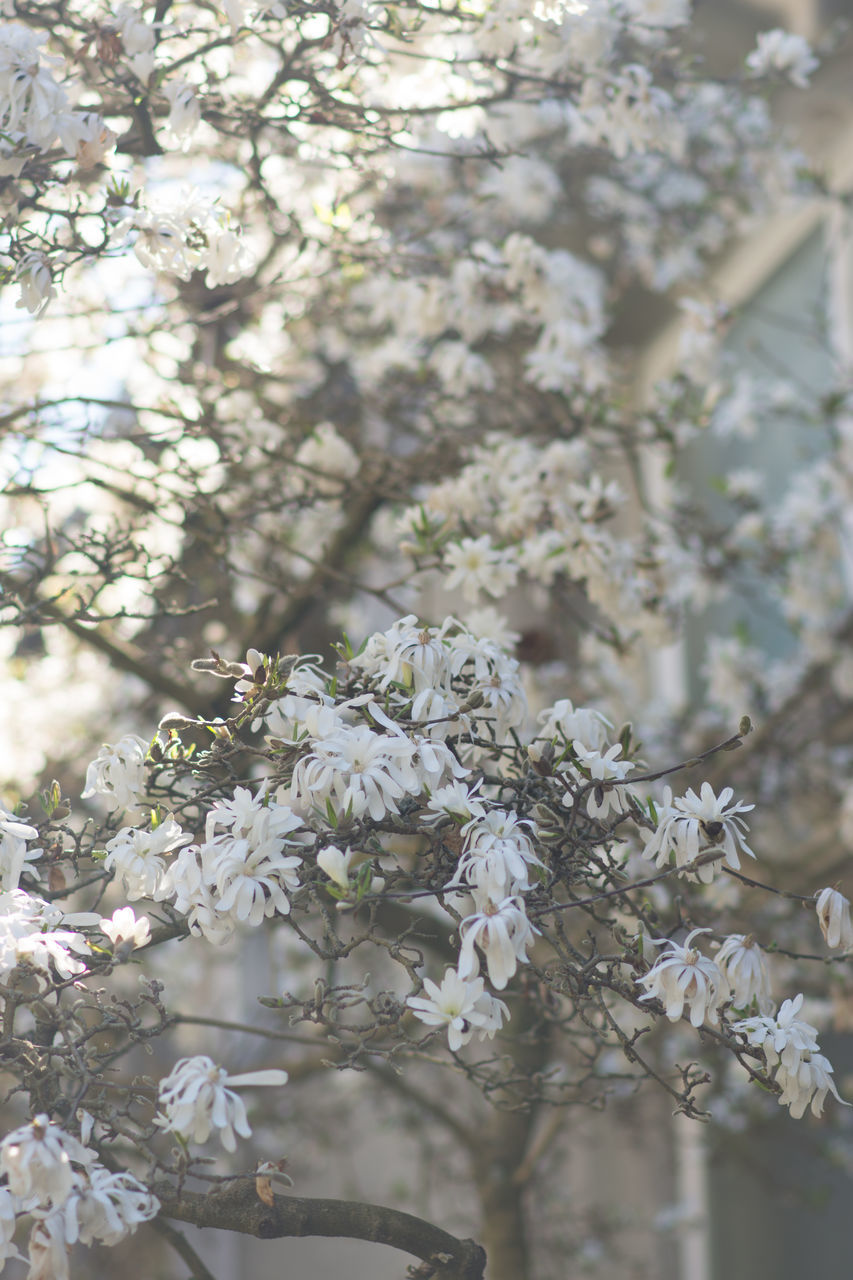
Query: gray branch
(237, 1207)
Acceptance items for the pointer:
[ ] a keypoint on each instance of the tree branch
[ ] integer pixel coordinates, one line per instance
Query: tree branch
(236, 1207)
(182, 1246)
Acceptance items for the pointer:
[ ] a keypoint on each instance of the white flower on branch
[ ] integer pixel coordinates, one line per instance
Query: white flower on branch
(48, 1249)
(361, 772)
(605, 774)
(185, 110)
(475, 565)
(106, 1207)
(336, 865)
(137, 856)
(791, 1048)
(37, 1161)
(503, 933)
(246, 864)
(586, 725)
(457, 800)
(118, 772)
(9, 1206)
(496, 856)
(30, 98)
(743, 964)
(33, 275)
(783, 51)
(833, 913)
(86, 137)
(28, 934)
(14, 854)
(463, 1006)
(682, 976)
(693, 825)
(808, 1082)
(123, 927)
(195, 1098)
(409, 654)
(784, 1038)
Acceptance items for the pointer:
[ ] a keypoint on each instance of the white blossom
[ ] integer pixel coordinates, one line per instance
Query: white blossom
(336, 865)
(582, 723)
(359, 771)
(14, 853)
(606, 772)
(106, 1206)
(783, 51)
(503, 933)
(86, 137)
(744, 967)
(793, 1055)
(833, 913)
(185, 110)
(476, 565)
(33, 275)
(38, 1161)
(123, 927)
(118, 772)
(681, 976)
(694, 825)
(28, 934)
(138, 857)
(808, 1082)
(48, 1249)
(195, 1098)
(784, 1038)
(452, 1004)
(8, 1221)
(496, 856)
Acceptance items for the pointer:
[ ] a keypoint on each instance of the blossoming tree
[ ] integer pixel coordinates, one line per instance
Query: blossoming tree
(318, 300)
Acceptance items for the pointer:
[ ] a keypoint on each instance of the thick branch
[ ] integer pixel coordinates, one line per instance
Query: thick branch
(237, 1208)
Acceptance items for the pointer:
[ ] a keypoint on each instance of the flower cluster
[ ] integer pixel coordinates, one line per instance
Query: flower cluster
(69, 1196)
(791, 1050)
(243, 871)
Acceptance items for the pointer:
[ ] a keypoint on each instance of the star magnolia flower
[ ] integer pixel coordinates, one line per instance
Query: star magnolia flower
(784, 1038)
(693, 825)
(453, 1004)
(119, 772)
(503, 933)
(833, 913)
(476, 565)
(14, 853)
(683, 976)
(605, 771)
(496, 856)
(48, 1249)
(195, 1098)
(33, 275)
(124, 927)
(359, 770)
(588, 726)
(245, 866)
(27, 934)
(36, 1160)
(808, 1083)
(744, 968)
(8, 1222)
(137, 856)
(336, 865)
(106, 1206)
(780, 50)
